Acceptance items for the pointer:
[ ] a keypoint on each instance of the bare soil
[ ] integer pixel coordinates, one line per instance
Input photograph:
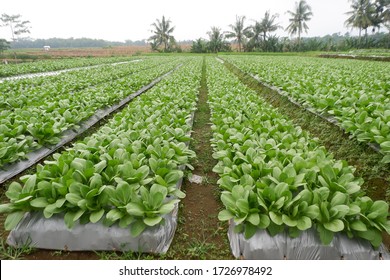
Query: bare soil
(201, 233)
(55, 53)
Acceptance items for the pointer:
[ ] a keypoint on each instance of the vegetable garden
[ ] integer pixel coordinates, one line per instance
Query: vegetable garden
(274, 176)
(356, 94)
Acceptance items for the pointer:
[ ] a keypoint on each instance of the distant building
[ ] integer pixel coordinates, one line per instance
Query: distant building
(46, 48)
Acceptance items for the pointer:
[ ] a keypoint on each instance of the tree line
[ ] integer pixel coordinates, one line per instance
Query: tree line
(364, 14)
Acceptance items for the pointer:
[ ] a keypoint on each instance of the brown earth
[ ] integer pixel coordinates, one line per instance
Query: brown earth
(54, 53)
(97, 52)
(201, 235)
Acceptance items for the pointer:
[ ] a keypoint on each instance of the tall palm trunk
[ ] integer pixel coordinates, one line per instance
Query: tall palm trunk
(299, 39)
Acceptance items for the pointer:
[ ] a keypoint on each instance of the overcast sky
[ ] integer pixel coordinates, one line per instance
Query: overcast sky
(119, 20)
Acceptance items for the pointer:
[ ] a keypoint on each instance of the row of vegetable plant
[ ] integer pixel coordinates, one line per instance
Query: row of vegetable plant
(71, 80)
(125, 173)
(13, 69)
(274, 176)
(28, 122)
(355, 93)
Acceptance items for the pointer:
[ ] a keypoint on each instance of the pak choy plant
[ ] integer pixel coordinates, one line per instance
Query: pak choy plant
(333, 208)
(20, 198)
(276, 196)
(370, 221)
(140, 207)
(353, 93)
(300, 212)
(79, 192)
(36, 114)
(120, 174)
(246, 209)
(297, 182)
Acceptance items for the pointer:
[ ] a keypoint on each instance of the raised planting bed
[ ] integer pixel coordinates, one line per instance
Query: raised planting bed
(276, 178)
(35, 112)
(121, 184)
(353, 93)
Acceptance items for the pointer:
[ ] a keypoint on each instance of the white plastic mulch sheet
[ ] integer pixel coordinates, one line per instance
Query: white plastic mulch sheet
(307, 246)
(38, 232)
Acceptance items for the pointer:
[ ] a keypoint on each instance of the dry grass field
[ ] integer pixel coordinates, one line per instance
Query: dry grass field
(53, 53)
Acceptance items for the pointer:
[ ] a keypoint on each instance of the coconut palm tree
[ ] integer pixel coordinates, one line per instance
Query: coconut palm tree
(386, 13)
(216, 39)
(259, 31)
(361, 16)
(238, 31)
(299, 17)
(255, 35)
(382, 13)
(162, 34)
(268, 25)
(386, 19)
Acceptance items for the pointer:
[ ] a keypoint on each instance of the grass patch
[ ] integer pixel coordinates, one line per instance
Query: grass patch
(11, 253)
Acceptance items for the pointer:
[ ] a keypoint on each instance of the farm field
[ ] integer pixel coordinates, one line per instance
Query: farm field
(58, 53)
(356, 94)
(266, 163)
(36, 112)
(273, 175)
(364, 54)
(13, 69)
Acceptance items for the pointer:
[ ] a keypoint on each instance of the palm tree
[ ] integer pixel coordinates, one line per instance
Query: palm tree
(268, 25)
(298, 19)
(238, 31)
(382, 13)
(386, 13)
(361, 16)
(216, 42)
(162, 34)
(255, 35)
